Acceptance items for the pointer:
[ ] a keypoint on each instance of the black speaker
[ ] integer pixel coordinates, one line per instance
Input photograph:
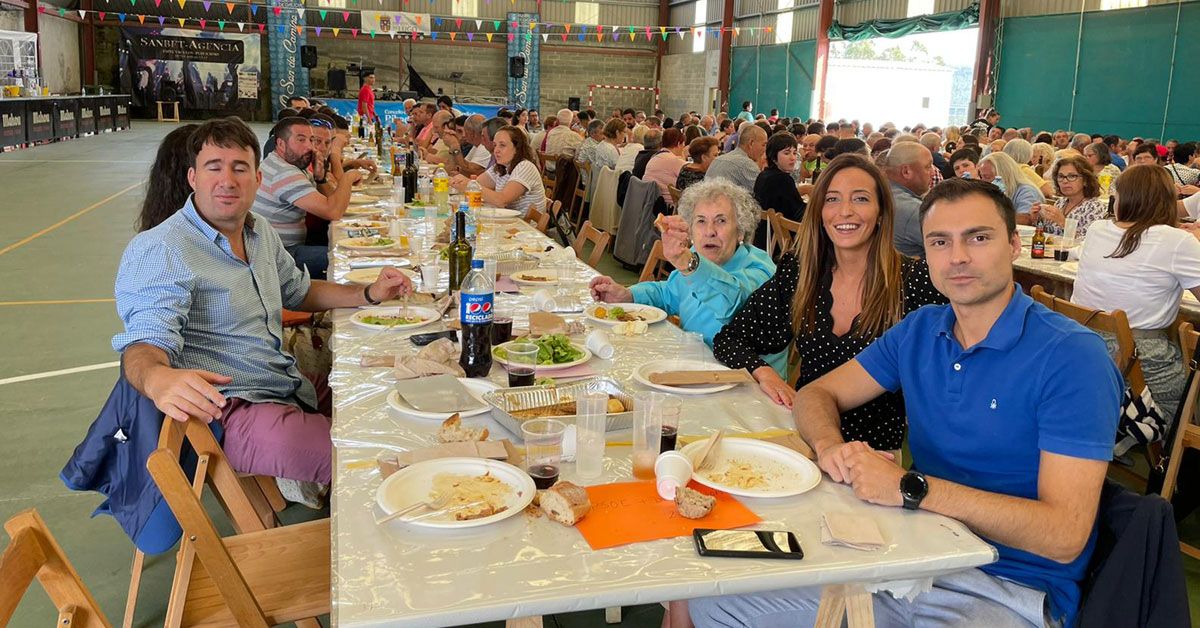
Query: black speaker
(573, 103)
(335, 80)
(516, 67)
(308, 56)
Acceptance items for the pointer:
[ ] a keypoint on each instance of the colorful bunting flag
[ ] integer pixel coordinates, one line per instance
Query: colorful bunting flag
(489, 36)
(181, 21)
(229, 7)
(336, 31)
(433, 34)
(253, 9)
(495, 25)
(354, 32)
(346, 17)
(121, 16)
(101, 14)
(458, 22)
(141, 19)
(203, 23)
(478, 24)
(161, 19)
(241, 26)
(277, 10)
(318, 31)
(82, 14)
(453, 34)
(470, 36)
(300, 12)
(323, 12)
(207, 5)
(221, 24)
(262, 28)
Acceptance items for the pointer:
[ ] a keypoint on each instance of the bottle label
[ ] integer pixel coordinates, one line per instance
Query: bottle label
(475, 309)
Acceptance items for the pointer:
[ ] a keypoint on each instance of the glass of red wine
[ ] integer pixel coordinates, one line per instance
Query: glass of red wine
(543, 450)
(669, 409)
(522, 363)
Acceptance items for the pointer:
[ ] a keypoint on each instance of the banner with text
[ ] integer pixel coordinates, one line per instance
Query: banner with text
(198, 69)
(285, 30)
(386, 22)
(524, 92)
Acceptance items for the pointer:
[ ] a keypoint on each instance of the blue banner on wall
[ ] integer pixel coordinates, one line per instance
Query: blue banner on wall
(389, 110)
(525, 92)
(288, 77)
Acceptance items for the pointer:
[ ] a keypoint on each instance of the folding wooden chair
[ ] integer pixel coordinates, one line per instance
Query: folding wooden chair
(34, 553)
(537, 218)
(1116, 324)
(256, 578)
(548, 180)
(657, 267)
(1188, 435)
(783, 232)
(579, 199)
(599, 240)
(251, 503)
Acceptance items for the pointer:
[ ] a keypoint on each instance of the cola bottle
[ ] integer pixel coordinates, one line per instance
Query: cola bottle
(475, 314)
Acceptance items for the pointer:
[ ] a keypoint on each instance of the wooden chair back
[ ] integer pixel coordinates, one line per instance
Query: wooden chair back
(599, 239)
(783, 232)
(657, 267)
(1114, 323)
(537, 218)
(675, 194)
(548, 181)
(1188, 435)
(34, 554)
(257, 578)
(580, 198)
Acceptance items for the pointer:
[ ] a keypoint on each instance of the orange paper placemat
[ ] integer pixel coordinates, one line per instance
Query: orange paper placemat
(632, 512)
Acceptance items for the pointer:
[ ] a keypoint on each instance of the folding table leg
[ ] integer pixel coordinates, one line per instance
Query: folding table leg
(860, 609)
(832, 607)
(838, 601)
(524, 622)
(612, 615)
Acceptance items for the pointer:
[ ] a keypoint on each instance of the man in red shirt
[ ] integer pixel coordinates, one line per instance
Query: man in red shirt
(366, 99)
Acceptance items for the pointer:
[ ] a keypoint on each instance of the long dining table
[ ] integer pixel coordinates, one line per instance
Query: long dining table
(524, 567)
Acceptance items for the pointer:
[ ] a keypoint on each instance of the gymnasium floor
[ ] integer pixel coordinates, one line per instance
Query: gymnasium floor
(69, 209)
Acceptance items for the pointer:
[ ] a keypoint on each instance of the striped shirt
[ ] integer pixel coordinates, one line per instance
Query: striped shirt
(282, 185)
(181, 288)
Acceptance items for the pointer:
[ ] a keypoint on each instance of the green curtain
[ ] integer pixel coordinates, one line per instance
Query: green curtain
(956, 20)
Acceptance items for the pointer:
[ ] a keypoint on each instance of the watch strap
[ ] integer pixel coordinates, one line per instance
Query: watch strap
(367, 295)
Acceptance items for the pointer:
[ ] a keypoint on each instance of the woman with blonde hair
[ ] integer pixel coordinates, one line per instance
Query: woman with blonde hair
(1043, 158)
(1022, 152)
(953, 138)
(1140, 262)
(842, 286)
(1001, 170)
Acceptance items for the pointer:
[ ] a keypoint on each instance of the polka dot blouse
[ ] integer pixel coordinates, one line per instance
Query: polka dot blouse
(763, 326)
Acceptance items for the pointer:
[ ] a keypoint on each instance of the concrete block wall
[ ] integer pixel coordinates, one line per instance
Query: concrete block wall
(686, 80)
(568, 73)
(58, 40)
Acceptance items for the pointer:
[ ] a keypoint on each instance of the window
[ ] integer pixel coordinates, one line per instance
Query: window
(587, 13)
(466, 8)
(700, 19)
(331, 4)
(1108, 5)
(783, 21)
(917, 8)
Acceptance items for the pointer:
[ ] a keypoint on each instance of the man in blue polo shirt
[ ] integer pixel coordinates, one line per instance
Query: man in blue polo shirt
(1012, 413)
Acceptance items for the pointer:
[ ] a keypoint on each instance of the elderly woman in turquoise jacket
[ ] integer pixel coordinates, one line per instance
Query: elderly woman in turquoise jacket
(716, 267)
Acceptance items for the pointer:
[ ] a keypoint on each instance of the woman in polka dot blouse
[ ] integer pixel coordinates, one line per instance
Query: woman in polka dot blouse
(842, 286)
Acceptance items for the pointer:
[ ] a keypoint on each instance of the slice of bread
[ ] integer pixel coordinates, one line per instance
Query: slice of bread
(693, 504)
(565, 503)
(453, 431)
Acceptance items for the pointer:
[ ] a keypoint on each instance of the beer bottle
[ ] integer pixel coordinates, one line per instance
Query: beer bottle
(1037, 247)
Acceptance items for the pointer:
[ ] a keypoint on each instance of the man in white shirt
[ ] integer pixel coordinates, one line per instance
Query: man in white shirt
(561, 140)
(479, 158)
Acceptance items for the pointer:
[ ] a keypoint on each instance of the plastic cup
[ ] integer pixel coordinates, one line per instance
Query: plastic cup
(671, 471)
(430, 274)
(543, 301)
(590, 422)
(647, 433)
(489, 268)
(598, 343)
(543, 450)
(522, 363)
(669, 410)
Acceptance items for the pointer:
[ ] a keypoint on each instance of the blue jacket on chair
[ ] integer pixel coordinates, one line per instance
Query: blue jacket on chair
(112, 461)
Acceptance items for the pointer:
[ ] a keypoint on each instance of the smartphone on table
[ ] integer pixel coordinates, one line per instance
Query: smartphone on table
(748, 543)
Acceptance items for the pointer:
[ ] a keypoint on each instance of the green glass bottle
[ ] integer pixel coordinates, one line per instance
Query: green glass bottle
(460, 251)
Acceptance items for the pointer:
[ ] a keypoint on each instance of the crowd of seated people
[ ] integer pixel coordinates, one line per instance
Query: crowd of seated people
(900, 275)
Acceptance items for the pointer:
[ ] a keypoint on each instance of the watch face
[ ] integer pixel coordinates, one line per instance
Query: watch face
(913, 486)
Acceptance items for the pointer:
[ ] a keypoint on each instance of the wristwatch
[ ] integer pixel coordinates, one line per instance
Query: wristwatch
(367, 295)
(454, 153)
(913, 488)
(693, 264)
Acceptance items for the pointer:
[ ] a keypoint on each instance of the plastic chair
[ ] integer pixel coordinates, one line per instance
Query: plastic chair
(32, 554)
(260, 577)
(599, 240)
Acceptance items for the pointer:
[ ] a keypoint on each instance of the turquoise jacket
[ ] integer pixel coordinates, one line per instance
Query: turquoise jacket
(709, 297)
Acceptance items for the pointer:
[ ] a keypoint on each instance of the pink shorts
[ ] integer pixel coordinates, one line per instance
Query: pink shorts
(279, 440)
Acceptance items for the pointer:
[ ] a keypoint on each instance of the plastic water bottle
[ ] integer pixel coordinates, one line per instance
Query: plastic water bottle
(441, 187)
(425, 190)
(475, 314)
(474, 195)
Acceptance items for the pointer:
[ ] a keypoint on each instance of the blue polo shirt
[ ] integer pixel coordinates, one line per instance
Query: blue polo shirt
(982, 416)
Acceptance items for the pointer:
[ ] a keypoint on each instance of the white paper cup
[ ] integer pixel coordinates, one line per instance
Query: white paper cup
(671, 471)
(543, 301)
(598, 343)
(430, 272)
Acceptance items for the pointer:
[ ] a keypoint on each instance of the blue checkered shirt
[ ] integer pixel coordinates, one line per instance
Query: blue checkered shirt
(181, 288)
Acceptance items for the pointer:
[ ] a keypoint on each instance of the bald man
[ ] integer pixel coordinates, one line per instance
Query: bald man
(742, 164)
(907, 168)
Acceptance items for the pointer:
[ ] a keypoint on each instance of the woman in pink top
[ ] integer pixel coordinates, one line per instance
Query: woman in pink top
(664, 167)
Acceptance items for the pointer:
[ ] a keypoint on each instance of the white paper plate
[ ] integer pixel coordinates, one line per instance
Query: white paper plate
(415, 484)
(498, 213)
(520, 277)
(587, 355)
(642, 375)
(367, 243)
(429, 315)
(649, 313)
(791, 473)
(477, 388)
(362, 223)
(367, 276)
(362, 199)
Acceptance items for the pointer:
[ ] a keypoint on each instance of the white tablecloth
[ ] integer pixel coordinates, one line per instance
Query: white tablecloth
(397, 575)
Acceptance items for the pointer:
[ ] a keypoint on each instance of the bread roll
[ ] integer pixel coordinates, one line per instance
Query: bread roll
(453, 431)
(565, 503)
(615, 406)
(693, 504)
